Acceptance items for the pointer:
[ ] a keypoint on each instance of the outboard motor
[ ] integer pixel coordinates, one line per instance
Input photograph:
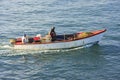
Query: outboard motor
(12, 41)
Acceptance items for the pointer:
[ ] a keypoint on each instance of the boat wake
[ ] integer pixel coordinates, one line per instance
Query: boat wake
(5, 47)
(7, 50)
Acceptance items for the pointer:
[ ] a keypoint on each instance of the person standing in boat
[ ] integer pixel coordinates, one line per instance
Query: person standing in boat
(24, 39)
(53, 34)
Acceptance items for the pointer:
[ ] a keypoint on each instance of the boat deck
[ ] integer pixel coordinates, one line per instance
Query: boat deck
(64, 38)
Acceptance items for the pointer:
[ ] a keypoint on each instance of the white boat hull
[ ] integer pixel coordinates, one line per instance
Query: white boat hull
(61, 45)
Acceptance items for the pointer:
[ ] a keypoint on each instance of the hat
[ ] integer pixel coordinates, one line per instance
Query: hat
(24, 34)
(53, 27)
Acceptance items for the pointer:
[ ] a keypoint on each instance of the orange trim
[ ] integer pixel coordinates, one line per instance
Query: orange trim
(93, 34)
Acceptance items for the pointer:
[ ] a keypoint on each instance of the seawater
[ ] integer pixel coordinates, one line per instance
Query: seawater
(99, 62)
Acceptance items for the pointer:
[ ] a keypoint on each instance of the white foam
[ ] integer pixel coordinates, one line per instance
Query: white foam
(9, 51)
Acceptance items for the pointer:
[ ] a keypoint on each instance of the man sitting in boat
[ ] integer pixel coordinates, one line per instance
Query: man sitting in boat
(24, 39)
(53, 34)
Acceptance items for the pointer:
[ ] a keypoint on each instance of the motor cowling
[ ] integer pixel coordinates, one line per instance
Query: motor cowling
(12, 41)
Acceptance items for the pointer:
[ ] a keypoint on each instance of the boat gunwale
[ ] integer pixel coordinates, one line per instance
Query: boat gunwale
(61, 41)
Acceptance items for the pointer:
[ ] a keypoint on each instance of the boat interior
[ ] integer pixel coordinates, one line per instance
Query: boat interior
(61, 38)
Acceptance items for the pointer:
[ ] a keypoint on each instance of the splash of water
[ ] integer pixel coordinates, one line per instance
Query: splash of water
(7, 50)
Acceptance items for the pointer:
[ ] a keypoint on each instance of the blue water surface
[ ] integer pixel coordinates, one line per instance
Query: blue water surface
(99, 62)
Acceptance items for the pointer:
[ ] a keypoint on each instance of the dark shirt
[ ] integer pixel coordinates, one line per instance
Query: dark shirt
(53, 34)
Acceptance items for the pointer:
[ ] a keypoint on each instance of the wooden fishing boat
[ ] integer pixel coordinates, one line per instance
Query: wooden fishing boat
(62, 41)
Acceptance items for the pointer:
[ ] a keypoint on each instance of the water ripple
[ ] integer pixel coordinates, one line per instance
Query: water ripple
(37, 17)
